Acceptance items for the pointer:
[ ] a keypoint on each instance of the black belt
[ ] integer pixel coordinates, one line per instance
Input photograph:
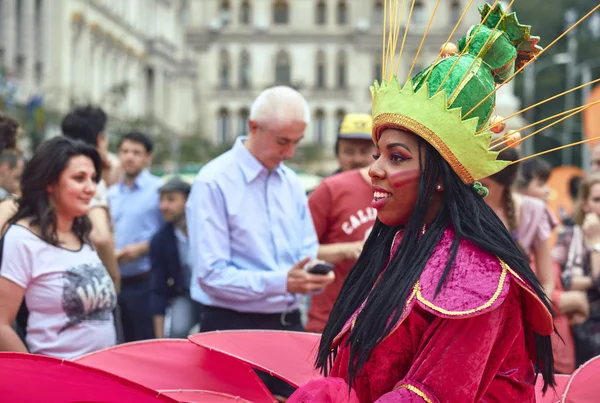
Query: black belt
(289, 318)
(285, 318)
(138, 278)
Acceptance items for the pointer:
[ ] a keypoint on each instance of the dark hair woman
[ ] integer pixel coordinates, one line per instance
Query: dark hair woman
(49, 262)
(533, 178)
(442, 305)
(577, 251)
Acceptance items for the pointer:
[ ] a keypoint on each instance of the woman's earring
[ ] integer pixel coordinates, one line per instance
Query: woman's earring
(439, 188)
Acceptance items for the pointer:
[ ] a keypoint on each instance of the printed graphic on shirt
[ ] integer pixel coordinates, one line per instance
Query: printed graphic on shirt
(362, 216)
(88, 294)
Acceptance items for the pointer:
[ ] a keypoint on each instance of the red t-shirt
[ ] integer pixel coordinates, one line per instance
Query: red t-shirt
(341, 211)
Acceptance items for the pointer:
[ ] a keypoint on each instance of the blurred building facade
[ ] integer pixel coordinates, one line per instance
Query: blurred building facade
(329, 49)
(128, 56)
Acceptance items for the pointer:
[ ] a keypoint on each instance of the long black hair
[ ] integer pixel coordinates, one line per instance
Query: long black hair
(44, 169)
(471, 218)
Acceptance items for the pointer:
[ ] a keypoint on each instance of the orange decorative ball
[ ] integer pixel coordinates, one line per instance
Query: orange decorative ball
(497, 125)
(513, 139)
(448, 50)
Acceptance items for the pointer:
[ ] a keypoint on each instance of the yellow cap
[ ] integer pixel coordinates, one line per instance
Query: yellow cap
(356, 126)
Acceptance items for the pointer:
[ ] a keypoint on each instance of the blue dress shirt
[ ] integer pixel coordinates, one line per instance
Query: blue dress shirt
(247, 228)
(136, 217)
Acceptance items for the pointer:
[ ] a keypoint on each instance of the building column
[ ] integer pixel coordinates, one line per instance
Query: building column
(95, 71)
(331, 60)
(235, 54)
(166, 98)
(42, 39)
(86, 55)
(29, 29)
(106, 63)
(115, 80)
(159, 79)
(134, 99)
(139, 82)
(183, 104)
(9, 23)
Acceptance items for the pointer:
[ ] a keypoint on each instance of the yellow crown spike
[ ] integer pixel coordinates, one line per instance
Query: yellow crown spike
(555, 149)
(544, 101)
(497, 142)
(383, 43)
(388, 30)
(534, 58)
(578, 110)
(412, 6)
(397, 27)
(412, 66)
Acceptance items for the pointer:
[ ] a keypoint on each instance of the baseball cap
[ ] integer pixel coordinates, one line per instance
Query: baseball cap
(175, 184)
(356, 126)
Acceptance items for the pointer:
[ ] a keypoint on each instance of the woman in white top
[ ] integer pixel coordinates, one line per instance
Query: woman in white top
(49, 261)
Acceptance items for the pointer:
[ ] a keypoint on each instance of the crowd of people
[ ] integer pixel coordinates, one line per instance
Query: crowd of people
(89, 262)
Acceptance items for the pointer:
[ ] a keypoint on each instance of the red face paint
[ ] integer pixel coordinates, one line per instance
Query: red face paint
(401, 179)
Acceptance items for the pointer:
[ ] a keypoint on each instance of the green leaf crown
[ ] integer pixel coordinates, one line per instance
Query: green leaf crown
(449, 103)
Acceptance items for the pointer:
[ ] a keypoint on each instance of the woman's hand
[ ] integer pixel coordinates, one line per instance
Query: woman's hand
(591, 229)
(8, 208)
(575, 303)
(577, 319)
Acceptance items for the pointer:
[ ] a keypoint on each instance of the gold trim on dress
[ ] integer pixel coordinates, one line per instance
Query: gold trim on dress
(416, 391)
(417, 292)
(468, 311)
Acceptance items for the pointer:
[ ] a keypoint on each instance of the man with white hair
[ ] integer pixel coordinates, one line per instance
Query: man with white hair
(251, 233)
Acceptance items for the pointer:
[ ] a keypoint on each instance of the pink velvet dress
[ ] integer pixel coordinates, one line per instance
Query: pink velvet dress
(473, 342)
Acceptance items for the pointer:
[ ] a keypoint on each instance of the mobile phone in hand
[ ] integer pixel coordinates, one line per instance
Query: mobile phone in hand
(321, 268)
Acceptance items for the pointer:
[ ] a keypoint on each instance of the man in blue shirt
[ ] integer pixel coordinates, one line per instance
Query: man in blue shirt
(172, 308)
(134, 206)
(251, 233)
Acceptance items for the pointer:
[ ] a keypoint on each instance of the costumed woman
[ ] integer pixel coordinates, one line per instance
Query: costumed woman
(441, 306)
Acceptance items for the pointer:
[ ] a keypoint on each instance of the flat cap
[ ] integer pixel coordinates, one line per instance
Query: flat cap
(175, 184)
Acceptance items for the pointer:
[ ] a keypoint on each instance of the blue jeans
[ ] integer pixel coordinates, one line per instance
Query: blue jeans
(180, 317)
(136, 318)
